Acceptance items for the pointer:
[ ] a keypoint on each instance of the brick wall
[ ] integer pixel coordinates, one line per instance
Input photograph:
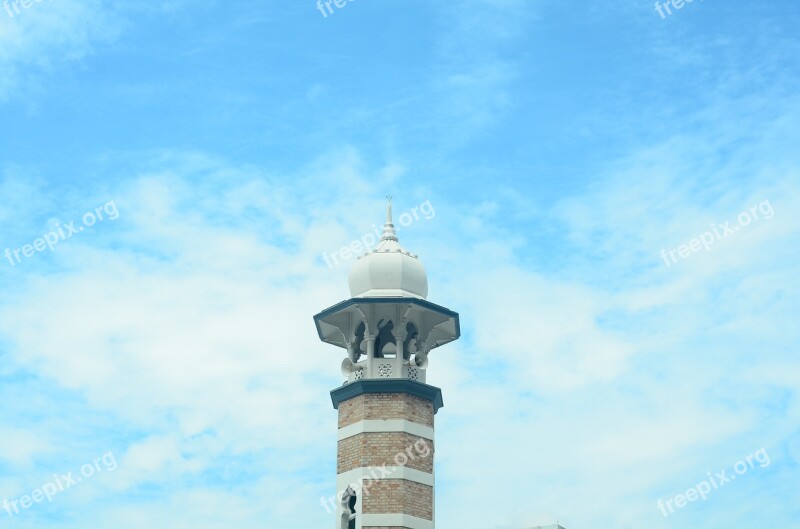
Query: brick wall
(386, 406)
(378, 449)
(399, 496)
(374, 449)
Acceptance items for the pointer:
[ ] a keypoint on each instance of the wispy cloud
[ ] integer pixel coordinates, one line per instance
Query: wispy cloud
(590, 380)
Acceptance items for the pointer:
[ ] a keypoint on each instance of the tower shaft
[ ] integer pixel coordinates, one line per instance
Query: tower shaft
(385, 455)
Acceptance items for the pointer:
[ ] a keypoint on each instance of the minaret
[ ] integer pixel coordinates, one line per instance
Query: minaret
(385, 473)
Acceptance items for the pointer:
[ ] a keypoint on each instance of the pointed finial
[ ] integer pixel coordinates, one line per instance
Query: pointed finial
(389, 234)
(389, 209)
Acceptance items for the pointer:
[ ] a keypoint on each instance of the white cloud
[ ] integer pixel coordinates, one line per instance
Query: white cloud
(190, 318)
(47, 35)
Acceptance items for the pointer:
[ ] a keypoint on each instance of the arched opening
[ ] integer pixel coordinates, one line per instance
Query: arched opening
(352, 507)
(349, 499)
(385, 344)
(359, 346)
(409, 346)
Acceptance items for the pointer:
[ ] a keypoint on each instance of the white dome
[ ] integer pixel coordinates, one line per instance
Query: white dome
(388, 270)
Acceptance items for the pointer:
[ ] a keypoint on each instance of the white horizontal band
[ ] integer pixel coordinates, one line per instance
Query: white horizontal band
(354, 477)
(395, 520)
(384, 426)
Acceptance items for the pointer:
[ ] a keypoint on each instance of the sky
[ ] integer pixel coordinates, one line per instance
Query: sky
(609, 197)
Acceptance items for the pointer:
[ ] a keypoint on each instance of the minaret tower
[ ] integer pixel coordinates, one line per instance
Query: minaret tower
(385, 476)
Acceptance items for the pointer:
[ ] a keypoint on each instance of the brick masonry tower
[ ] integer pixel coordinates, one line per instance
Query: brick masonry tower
(385, 470)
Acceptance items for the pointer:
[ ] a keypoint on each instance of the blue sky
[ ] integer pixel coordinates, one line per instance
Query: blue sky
(562, 145)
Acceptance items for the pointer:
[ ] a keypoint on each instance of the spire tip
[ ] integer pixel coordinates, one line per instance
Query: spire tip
(389, 232)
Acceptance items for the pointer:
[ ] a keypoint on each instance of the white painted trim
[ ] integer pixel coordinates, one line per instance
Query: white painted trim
(394, 520)
(377, 473)
(386, 426)
(355, 479)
